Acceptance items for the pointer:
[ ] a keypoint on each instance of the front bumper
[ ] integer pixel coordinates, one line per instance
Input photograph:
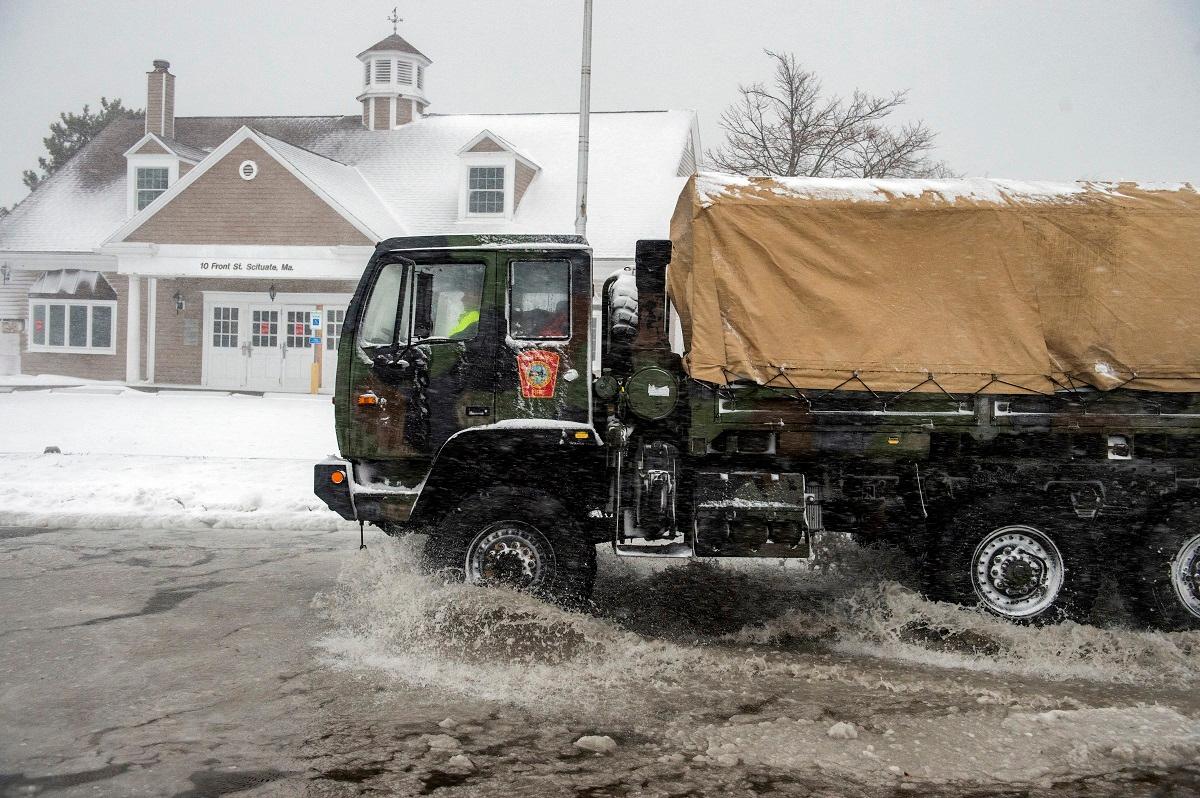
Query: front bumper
(333, 490)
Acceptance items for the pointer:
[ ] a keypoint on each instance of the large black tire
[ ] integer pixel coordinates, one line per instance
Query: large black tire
(516, 539)
(1162, 584)
(1020, 559)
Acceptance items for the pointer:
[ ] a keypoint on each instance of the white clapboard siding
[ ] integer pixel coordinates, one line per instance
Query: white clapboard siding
(14, 295)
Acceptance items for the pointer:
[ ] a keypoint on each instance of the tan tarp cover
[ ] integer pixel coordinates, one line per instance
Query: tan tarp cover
(985, 286)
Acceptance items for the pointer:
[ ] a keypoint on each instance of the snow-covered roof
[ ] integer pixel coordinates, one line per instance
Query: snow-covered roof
(397, 182)
(714, 186)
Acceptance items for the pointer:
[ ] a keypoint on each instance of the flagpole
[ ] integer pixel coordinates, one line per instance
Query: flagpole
(585, 102)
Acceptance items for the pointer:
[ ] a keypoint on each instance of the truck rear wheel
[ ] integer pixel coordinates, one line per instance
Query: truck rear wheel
(523, 541)
(1027, 564)
(1163, 588)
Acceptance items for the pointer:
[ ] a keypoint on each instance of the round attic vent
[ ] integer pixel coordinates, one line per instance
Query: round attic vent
(248, 170)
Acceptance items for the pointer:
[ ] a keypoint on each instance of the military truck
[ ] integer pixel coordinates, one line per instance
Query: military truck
(999, 378)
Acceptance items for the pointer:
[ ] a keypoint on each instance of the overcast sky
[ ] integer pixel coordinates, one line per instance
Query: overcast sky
(1053, 90)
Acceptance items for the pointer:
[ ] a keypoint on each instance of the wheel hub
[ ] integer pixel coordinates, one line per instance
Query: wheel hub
(510, 555)
(1017, 571)
(509, 562)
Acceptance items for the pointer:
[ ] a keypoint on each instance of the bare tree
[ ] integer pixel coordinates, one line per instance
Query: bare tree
(790, 128)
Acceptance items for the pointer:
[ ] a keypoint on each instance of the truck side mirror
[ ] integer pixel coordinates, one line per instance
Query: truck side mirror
(423, 313)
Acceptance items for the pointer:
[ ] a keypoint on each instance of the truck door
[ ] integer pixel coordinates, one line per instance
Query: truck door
(543, 371)
(426, 352)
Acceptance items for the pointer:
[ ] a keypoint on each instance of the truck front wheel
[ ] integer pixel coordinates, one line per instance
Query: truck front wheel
(1020, 562)
(521, 541)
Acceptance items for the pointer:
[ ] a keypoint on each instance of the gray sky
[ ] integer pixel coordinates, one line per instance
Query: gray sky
(1053, 90)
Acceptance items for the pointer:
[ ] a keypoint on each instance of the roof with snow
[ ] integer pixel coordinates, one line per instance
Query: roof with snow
(397, 182)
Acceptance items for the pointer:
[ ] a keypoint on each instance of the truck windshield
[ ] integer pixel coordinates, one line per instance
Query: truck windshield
(379, 322)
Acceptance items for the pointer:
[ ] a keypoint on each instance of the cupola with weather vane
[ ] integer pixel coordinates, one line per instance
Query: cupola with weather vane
(393, 91)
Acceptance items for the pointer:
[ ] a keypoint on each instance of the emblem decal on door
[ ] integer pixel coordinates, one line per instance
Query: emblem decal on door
(539, 373)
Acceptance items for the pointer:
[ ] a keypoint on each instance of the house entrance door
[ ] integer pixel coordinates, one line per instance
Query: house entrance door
(263, 349)
(224, 337)
(250, 344)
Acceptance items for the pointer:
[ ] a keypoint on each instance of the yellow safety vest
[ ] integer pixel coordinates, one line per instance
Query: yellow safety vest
(465, 322)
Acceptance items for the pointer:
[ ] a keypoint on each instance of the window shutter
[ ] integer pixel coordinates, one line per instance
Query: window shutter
(404, 72)
(383, 70)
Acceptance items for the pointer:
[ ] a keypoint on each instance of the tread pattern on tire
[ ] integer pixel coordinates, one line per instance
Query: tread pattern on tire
(575, 558)
(951, 578)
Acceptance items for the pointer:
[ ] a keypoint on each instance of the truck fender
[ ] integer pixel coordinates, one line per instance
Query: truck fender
(562, 459)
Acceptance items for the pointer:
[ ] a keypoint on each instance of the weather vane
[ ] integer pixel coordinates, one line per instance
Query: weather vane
(395, 18)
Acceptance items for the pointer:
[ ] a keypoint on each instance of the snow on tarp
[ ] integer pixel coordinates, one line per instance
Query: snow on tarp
(993, 286)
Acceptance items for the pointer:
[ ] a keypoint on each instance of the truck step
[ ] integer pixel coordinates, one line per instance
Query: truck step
(676, 550)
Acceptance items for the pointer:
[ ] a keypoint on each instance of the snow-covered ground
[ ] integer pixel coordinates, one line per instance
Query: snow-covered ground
(169, 459)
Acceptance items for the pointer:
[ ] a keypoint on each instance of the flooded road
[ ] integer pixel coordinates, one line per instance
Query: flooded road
(760, 679)
(206, 664)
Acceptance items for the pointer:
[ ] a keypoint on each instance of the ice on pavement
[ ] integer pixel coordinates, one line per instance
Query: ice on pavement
(754, 664)
(1025, 748)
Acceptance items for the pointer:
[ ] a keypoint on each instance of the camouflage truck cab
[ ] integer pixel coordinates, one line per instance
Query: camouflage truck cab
(464, 366)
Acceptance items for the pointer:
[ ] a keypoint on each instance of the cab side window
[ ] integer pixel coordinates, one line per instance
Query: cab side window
(539, 299)
(380, 321)
(446, 301)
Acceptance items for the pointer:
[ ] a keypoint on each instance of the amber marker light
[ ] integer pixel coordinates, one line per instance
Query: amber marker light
(337, 477)
(581, 435)
(367, 399)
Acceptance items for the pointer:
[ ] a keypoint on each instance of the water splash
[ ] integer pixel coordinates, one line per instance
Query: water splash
(661, 634)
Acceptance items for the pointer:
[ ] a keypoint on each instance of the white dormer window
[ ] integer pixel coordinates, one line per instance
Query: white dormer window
(494, 177)
(151, 181)
(383, 70)
(404, 72)
(485, 190)
(151, 167)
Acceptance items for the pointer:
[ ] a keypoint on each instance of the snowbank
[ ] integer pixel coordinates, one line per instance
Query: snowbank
(125, 492)
(102, 419)
(181, 460)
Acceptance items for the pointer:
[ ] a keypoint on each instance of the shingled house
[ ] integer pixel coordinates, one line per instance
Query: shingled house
(199, 250)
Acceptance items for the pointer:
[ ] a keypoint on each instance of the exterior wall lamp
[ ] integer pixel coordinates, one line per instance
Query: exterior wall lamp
(271, 292)
(179, 303)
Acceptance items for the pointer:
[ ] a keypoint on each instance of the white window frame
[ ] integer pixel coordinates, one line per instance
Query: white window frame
(493, 160)
(111, 349)
(151, 161)
(508, 298)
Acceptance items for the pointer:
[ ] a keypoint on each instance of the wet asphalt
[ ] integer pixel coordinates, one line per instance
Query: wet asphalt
(190, 663)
